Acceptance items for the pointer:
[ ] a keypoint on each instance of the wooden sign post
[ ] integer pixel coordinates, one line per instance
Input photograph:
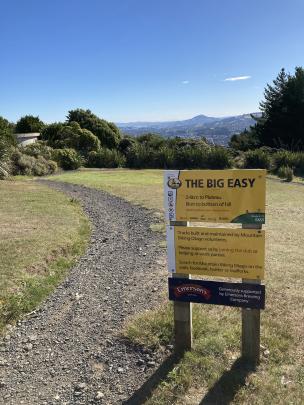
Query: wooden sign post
(216, 196)
(251, 326)
(182, 315)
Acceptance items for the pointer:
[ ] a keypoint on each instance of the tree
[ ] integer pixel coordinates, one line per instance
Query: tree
(28, 124)
(107, 132)
(244, 141)
(282, 121)
(50, 133)
(6, 126)
(6, 132)
(151, 140)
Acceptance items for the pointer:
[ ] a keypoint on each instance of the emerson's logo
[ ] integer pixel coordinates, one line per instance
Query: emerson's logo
(174, 183)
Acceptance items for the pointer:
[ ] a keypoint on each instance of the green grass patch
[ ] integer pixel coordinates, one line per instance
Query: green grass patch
(216, 349)
(41, 233)
(143, 187)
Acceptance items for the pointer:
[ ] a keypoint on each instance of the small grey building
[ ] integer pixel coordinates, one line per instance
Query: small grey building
(27, 139)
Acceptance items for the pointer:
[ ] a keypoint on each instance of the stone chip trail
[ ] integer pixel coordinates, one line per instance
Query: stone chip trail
(69, 351)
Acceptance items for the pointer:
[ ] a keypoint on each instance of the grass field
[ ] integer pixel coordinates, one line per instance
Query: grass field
(142, 187)
(41, 233)
(209, 372)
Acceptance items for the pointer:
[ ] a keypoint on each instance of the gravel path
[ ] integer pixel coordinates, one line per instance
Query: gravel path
(69, 350)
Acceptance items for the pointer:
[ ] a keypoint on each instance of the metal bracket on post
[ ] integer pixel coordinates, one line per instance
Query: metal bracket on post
(251, 325)
(182, 315)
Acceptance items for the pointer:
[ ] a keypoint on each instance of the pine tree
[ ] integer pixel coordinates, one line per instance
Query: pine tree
(282, 121)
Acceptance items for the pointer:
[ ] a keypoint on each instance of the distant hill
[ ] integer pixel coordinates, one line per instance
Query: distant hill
(216, 130)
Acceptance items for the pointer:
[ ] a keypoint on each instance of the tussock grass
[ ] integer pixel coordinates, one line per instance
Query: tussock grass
(41, 233)
(211, 368)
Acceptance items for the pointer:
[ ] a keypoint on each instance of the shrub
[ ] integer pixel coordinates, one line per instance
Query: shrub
(53, 167)
(31, 166)
(150, 140)
(244, 141)
(67, 159)
(294, 160)
(50, 133)
(5, 169)
(286, 173)
(165, 158)
(37, 149)
(23, 164)
(283, 158)
(218, 158)
(140, 157)
(257, 159)
(182, 157)
(126, 143)
(106, 158)
(298, 161)
(72, 136)
(6, 148)
(41, 167)
(107, 132)
(188, 157)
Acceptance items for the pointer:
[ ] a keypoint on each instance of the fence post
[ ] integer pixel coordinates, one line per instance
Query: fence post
(251, 325)
(182, 315)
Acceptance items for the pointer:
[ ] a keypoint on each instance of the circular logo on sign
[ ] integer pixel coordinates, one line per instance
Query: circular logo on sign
(174, 183)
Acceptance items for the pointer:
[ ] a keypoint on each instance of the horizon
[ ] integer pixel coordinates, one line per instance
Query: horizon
(189, 118)
(140, 62)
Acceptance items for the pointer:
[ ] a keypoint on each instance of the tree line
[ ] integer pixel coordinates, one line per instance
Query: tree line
(84, 139)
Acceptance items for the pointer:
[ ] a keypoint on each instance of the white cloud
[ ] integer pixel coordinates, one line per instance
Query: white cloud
(185, 82)
(234, 79)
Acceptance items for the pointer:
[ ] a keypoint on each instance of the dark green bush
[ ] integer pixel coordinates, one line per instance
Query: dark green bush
(106, 158)
(86, 142)
(71, 135)
(165, 158)
(140, 157)
(244, 141)
(126, 143)
(150, 140)
(50, 133)
(285, 173)
(29, 123)
(218, 158)
(257, 159)
(67, 159)
(188, 157)
(107, 132)
(182, 157)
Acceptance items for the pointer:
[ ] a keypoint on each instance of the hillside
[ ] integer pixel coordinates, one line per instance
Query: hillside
(217, 130)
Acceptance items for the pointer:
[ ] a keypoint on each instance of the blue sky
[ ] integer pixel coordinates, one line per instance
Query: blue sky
(131, 60)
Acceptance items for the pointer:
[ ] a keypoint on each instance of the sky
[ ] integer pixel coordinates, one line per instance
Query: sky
(144, 60)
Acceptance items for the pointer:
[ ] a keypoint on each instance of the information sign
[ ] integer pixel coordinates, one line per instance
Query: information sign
(220, 196)
(221, 252)
(217, 293)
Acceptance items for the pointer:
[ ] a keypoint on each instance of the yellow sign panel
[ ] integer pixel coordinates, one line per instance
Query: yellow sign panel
(215, 196)
(218, 252)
